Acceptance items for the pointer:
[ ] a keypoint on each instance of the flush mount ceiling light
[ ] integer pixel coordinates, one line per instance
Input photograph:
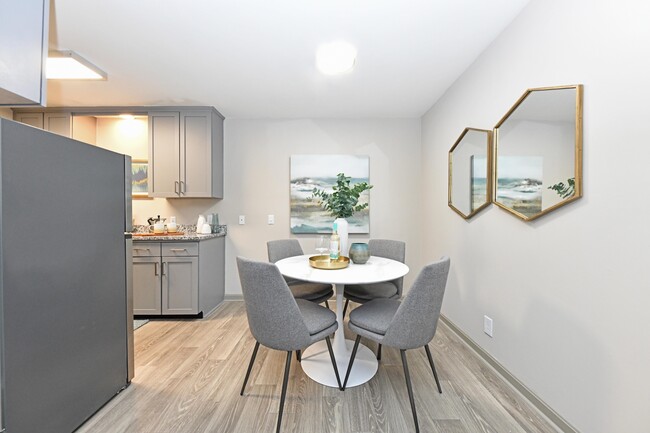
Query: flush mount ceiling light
(68, 65)
(335, 58)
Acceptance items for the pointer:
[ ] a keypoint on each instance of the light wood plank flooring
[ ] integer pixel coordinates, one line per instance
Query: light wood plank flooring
(189, 373)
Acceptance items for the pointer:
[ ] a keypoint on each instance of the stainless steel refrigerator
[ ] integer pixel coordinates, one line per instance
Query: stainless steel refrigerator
(66, 341)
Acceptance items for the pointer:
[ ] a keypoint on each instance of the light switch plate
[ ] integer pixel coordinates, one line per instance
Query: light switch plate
(242, 219)
(271, 219)
(487, 325)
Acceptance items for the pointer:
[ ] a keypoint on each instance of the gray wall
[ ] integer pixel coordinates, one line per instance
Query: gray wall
(569, 292)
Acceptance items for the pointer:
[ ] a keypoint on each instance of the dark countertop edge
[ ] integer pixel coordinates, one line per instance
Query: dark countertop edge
(184, 238)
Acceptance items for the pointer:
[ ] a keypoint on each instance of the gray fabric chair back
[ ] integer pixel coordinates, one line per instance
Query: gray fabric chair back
(389, 249)
(283, 248)
(273, 315)
(416, 319)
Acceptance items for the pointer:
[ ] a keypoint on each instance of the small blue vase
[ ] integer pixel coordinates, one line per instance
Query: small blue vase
(359, 253)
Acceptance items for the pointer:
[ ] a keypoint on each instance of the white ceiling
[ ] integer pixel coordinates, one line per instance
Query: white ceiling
(256, 58)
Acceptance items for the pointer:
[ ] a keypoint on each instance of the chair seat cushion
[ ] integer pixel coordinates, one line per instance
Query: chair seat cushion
(316, 318)
(386, 289)
(376, 315)
(309, 291)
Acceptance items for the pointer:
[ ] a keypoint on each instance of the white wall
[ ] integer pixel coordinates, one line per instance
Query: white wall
(127, 136)
(257, 156)
(569, 293)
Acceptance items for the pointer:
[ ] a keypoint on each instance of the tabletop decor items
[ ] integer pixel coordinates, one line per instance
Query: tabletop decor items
(342, 203)
(359, 253)
(324, 262)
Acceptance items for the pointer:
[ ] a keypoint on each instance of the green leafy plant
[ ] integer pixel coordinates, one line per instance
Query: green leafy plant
(563, 190)
(343, 201)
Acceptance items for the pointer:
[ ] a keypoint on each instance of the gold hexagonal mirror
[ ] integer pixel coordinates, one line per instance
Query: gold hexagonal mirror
(538, 152)
(470, 174)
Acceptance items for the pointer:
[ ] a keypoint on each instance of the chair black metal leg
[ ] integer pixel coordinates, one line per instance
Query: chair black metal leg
(410, 390)
(336, 369)
(354, 353)
(379, 353)
(250, 367)
(327, 304)
(284, 390)
(433, 368)
(345, 308)
(298, 356)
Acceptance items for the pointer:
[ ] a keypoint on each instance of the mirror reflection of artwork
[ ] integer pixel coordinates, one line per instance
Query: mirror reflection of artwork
(519, 185)
(478, 181)
(319, 171)
(470, 174)
(544, 126)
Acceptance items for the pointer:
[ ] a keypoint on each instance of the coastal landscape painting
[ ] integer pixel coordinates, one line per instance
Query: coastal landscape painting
(319, 171)
(139, 178)
(519, 183)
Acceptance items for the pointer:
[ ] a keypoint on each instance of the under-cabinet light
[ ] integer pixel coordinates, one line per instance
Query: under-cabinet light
(68, 65)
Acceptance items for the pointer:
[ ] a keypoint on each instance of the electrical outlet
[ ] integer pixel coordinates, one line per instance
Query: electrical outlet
(271, 219)
(242, 219)
(487, 325)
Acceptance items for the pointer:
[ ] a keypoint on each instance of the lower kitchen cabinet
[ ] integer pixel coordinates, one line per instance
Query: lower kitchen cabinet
(178, 278)
(147, 296)
(180, 285)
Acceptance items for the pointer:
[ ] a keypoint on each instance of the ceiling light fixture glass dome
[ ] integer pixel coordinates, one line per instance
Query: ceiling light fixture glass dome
(335, 58)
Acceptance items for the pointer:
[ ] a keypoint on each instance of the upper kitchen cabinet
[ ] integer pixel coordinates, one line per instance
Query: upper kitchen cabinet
(186, 154)
(23, 50)
(59, 123)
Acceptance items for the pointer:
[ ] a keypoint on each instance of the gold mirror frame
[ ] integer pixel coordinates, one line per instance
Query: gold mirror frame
(470, 190)
(577, 193)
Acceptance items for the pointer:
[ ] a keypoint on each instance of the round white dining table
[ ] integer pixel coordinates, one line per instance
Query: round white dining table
(315, 359)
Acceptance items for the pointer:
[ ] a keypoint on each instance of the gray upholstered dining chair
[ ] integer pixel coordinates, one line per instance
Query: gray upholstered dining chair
(314, 292)
(279, 321)
(362, 293)
(405, 325)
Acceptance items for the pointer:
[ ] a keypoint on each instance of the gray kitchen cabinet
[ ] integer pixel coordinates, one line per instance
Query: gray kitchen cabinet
(32, 119)
(58, 122)
(186, 154)
(146, 278)
(164, 154)
(180, 285)
(146, 284)
(24, 35)
(185, 143)
(178, 278)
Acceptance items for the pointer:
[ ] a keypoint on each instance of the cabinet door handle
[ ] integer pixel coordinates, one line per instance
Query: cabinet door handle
(162, 267)
(176, 189)
(155, 268)
(182, 187)
(177, 250)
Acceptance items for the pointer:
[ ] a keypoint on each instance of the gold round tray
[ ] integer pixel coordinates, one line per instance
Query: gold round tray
(324, 262)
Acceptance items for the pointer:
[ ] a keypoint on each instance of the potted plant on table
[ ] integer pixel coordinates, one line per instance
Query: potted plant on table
(342, 203)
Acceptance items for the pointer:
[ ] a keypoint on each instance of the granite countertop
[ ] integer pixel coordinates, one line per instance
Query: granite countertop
(188, 234)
